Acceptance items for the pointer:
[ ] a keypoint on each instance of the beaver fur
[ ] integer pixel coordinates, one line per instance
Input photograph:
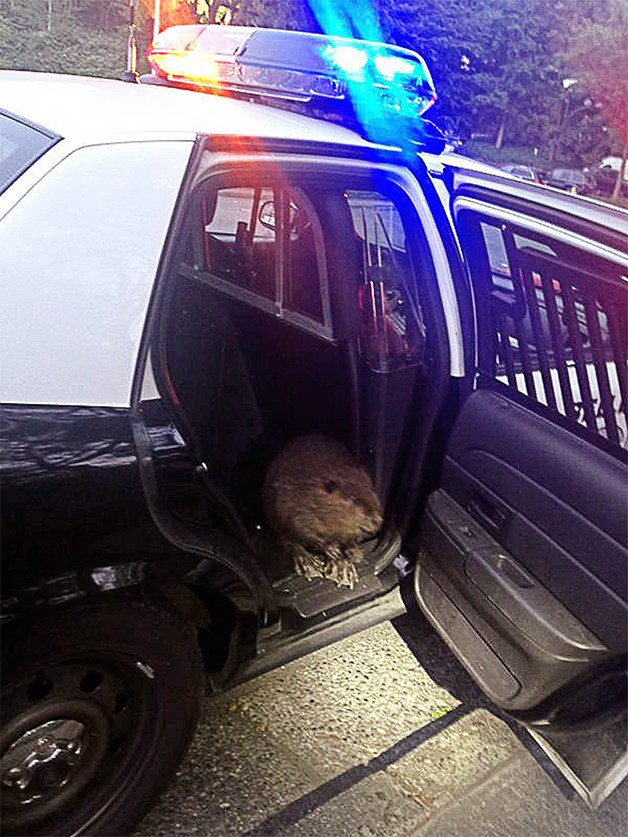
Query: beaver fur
(322, 507)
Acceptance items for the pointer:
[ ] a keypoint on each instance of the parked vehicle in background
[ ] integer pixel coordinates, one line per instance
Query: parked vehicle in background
(605, 178)
(613, 163)
(572, 180)
(522, 171)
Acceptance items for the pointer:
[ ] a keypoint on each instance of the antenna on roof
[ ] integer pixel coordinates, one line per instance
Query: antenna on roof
(130, 74)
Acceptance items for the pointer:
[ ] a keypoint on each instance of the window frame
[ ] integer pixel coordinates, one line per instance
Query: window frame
(277, 306)
(584, 260)
(48, 140)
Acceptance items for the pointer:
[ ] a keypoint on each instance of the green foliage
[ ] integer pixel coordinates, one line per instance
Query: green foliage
(84, 37)
(278, 14)
(598, 57)
(496, 65)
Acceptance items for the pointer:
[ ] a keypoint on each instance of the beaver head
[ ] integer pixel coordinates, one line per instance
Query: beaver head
(315, 493)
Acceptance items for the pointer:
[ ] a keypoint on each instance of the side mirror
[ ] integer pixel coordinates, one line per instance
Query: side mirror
(298, 221)
(267, 215)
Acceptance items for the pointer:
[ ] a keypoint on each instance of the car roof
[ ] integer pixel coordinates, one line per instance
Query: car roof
(80, 106)
(435, 163)
(76, 106)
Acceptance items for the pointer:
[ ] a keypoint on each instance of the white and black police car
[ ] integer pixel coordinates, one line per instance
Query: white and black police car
(193, 282)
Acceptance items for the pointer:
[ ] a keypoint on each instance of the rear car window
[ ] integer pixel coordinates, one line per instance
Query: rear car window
(393, 331)
(556, 327)
(262, 243)
(571, 175)
(20, 146)
(233, 231)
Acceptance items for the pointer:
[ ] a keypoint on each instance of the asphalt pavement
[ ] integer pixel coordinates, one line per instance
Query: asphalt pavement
(380, 735)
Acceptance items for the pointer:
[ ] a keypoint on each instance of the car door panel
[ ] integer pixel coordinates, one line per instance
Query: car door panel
(522, 564)
(546, 616)
(558, 504)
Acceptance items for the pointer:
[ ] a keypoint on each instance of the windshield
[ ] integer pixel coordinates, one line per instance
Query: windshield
(570, 175)
(20, 146)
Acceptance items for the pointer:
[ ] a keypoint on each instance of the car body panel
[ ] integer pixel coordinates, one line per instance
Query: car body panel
(107, 271)
(89, 529)
(75, 106)
(570, 208)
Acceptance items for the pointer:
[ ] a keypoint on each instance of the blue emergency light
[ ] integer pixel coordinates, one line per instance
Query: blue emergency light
(370, 81)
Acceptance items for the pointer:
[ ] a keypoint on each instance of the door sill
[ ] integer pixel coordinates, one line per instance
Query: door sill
(280, 648)
(594, 762)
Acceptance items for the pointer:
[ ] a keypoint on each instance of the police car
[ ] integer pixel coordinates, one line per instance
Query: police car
(193, 283)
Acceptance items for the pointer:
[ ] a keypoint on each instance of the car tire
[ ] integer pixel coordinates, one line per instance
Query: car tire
(99, 703)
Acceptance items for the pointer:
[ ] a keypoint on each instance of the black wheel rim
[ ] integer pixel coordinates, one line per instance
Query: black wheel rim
(77, 729)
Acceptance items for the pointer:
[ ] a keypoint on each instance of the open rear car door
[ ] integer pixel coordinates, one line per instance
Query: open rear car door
(523, 561)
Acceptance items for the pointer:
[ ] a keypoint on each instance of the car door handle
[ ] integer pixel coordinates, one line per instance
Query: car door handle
(487, 512)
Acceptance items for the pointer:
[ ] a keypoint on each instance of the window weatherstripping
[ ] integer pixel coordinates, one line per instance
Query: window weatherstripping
(20, 146)
(559, 328)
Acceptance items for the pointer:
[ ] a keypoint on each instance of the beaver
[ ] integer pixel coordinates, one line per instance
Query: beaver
(322, 506)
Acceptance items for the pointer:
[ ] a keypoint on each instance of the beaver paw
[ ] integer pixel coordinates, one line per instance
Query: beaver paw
(334, 565)
(342, 572)
(307, 563)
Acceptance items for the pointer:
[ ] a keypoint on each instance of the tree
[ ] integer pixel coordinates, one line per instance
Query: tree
(446, 33)
(496, 65)
(64, 36)
(599, 59)
(278, 14)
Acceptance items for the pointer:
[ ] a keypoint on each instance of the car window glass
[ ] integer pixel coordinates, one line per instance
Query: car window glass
(496, 251)
(558, 321)
(20, 145)
(376, 219)
(393, 329)
(238, 247)
(303, 292)
(267, 240)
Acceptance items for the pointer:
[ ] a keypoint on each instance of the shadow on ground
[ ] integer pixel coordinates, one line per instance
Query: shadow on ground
(442, 666)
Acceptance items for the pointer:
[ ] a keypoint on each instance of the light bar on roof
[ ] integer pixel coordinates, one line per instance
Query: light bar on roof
(296, 66)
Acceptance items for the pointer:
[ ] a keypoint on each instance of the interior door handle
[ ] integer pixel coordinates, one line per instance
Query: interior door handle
(487, 512)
